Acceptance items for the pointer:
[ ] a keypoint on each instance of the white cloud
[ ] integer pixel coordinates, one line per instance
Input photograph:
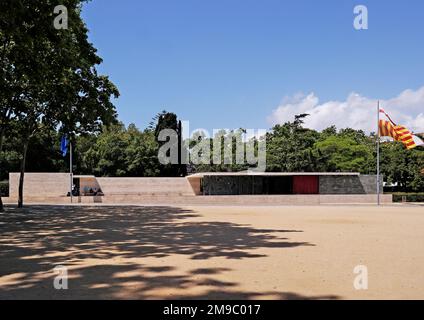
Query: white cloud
(356, 111)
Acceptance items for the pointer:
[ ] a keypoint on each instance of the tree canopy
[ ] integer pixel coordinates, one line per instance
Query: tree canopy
(49, 77)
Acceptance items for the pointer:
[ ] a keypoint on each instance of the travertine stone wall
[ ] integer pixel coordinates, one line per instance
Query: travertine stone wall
(48, 185)
(40, 184)
(145, 186)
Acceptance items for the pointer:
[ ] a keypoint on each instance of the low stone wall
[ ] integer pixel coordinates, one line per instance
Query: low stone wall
(251, 200)
(145, 186)
(40, 184)
(56, 185)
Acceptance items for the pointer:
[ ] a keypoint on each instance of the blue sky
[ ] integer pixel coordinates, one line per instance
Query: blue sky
(233, 63)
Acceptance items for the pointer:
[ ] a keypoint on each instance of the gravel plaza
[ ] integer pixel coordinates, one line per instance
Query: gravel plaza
(206, 252)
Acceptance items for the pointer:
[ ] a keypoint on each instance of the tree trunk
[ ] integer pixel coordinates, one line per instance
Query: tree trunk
(1, 149)
(21, 178)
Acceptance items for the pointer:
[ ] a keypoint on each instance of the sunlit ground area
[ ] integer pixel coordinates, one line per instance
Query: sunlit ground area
(212, 252)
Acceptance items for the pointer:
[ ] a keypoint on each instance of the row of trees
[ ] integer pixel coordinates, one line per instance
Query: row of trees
(294, 148)
(49, 80)
(117, 150)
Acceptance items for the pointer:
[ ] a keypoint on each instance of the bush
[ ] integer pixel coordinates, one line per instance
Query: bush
(4, 188)
(409, 197)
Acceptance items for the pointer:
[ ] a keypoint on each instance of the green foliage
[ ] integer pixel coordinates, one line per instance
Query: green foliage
(4, 188)
(166, 120)
(227, 140)
(290, 147)
(119, 151)
(403, 167)
(408, 197)
(48, 77)
(43, 154)
(341, 153)
(9, 162)
(169, 121)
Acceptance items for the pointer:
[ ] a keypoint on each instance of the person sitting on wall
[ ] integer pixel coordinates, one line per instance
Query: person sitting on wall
(86, 190)
(99, 192)
(75, 191)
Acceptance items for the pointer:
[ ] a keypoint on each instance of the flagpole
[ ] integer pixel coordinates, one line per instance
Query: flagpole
(70, 168)
(378, 153)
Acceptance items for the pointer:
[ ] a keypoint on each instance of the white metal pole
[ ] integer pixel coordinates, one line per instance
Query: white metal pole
(70, 168)
(378, 153)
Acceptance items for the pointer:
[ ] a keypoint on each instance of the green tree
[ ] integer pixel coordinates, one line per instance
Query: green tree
(403, 167)
(142, 153)
(342, 153)
(290, 147)
(107, 156)
(51, 74)
(119, 151)
(169, 120)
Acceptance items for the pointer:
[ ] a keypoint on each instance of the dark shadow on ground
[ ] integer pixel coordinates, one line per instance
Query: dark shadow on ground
(35, 239)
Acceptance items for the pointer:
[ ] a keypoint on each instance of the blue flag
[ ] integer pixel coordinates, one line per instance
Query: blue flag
(64, 146)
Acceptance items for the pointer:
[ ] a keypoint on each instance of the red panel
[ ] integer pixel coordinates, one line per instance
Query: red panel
(305, 185)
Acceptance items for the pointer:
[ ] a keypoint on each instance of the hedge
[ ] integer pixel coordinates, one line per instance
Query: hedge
(4, 188)
(409, 197)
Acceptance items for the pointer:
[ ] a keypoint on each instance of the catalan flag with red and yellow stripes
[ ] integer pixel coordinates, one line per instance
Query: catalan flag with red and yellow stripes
(399, 133)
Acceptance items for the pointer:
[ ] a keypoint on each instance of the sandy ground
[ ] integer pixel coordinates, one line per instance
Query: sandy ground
(212, 252)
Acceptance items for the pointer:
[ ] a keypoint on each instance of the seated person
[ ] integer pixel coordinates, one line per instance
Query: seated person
(75, 191)
(86, 190)
(100, 193)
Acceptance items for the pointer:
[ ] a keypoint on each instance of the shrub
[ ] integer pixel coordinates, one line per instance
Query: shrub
(409, 197)
(4, 188)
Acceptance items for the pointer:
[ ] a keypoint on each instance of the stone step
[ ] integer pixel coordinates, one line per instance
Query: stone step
(250, 200)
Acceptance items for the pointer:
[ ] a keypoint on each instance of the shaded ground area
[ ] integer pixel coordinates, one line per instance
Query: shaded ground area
(105, 249)
(211, 252)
